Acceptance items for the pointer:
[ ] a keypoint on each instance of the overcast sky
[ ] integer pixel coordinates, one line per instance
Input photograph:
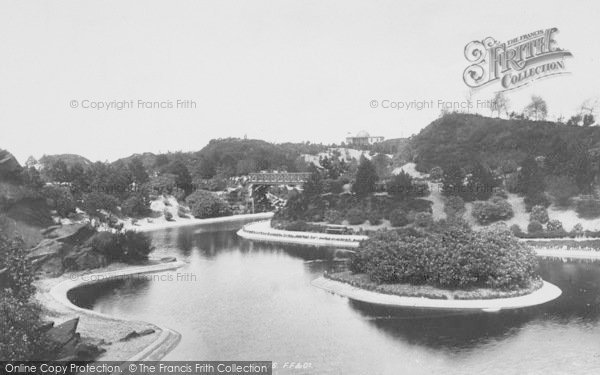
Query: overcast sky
(277, 70)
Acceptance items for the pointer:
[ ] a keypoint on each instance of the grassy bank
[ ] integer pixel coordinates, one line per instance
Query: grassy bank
(426, 291)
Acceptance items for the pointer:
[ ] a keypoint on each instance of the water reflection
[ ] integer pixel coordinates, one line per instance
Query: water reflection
(254, 300)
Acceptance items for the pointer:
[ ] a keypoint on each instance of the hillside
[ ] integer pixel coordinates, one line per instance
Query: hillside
(69, 159)
(463, 138)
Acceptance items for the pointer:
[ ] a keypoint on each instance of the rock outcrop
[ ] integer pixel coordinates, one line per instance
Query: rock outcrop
(67, 345)
(9, 165)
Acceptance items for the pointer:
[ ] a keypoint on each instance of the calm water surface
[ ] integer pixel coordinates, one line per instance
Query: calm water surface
(238, 300)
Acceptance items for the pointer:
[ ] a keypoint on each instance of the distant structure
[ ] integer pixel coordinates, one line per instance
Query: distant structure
(363, 138)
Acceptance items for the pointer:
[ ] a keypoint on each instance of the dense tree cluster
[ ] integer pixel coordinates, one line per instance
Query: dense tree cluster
(453, 257)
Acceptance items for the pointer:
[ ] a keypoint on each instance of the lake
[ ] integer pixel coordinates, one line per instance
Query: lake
(238, 300)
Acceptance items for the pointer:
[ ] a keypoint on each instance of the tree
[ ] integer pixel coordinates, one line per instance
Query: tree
(183, 179)
(138, 171)
(313, 187)
(531, 177)
(205, 204)
(59, 198)
(453, 182)
(401, 186)
(57, 171)
(480, 183)
(537, 109)
(382, 165)
(500, 104)
(20, 319)
(562, 188)
(539, 213)
(366, 177)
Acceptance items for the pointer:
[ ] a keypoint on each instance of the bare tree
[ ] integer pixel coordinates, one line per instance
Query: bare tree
(500, 104)
(537, 109)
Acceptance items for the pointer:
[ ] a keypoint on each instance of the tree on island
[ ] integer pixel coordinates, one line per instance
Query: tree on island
(366, 177)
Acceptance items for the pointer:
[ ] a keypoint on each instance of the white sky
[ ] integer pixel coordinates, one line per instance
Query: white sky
(277, 70)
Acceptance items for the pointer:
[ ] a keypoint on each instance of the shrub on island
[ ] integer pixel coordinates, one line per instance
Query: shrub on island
(205, 204)
(455, 257)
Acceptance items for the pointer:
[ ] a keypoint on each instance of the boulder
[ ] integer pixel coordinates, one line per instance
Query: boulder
(9, 166)
(64, 333)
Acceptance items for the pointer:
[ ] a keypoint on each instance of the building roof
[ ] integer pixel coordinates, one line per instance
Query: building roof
(362, 134)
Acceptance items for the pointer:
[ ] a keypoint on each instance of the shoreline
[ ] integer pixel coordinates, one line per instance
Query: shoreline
(145, 226)
(546, 293)
(262, 232)
(52, 294)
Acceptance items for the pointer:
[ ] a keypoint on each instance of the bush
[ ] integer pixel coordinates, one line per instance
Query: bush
(205, 204)
(168, 215)
(577, 230)
(59, 198)
(539, 213)
(436, 173)
(496, 259)
(516, 230)
(20, 323)
(536, 199)
(374, 218)
(555, 226)
(423, 219)
(182, 212)
(535, 227)
(355, 216)
(493, 210)
(129, 246)
(333, 217)
(398, 218)
(135, 206)
(588, 208)
(96, 201)
(454, 206)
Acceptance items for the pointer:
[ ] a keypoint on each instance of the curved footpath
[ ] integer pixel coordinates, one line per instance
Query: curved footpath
(546, 293)
(52, 294)
(95, 325)
(261, 231)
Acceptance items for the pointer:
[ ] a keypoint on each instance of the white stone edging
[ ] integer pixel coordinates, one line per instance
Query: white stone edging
(168, 338)
(149, 227)
(567, 254)
(262, 231)
(546, 293)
